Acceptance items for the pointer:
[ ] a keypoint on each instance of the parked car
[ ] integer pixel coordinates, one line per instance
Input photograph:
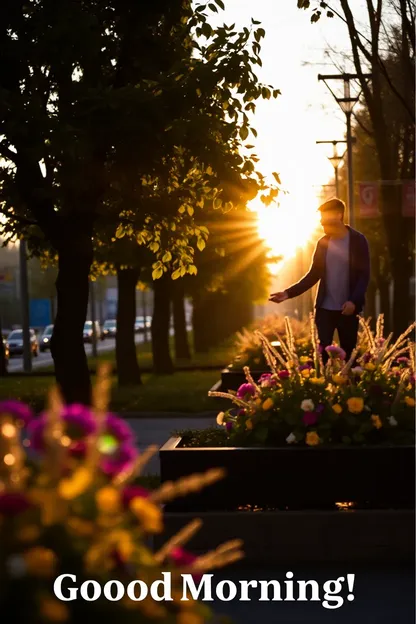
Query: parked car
(45, 341)
(15, 342)
(109, 328)
(88, 331)
(139, 325)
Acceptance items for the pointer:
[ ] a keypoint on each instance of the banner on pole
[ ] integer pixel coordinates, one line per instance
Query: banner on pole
(369, 196)
(408, 198)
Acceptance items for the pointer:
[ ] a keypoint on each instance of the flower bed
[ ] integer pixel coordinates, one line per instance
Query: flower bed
(70, 504)
(306, 435)
(368, 400)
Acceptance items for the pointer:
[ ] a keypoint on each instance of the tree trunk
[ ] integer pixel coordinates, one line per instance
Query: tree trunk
(182, 350)
(201, 341)
(67, 344)
(128, 370)
(162, 361)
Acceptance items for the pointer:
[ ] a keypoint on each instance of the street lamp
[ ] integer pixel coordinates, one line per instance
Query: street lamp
(347, 104)
(335, 159)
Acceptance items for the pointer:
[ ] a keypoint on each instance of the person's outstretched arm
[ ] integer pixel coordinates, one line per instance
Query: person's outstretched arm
(310, 279)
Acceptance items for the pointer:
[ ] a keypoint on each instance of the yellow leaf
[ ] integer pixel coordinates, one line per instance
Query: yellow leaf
(176, 274)
(190, 211)
(201, 244)
(167, 257)
(157, 273)
(120, 232)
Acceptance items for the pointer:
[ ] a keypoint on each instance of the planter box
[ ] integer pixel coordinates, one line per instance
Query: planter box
(294, 478)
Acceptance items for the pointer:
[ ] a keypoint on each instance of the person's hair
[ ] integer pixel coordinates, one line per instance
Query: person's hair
(333, 204)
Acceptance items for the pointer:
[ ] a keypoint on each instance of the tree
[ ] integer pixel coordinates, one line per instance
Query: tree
(71, 70)
(387, 51)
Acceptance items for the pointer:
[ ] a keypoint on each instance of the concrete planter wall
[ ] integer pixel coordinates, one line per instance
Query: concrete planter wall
(294, 478)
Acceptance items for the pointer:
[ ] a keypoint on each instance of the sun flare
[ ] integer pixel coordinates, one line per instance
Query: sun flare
(288, 225)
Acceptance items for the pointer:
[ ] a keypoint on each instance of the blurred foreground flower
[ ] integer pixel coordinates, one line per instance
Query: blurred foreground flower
(74, 506)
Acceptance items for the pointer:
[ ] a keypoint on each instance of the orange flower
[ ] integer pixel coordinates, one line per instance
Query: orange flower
(337, 408)
(40, 561)
(268, 404)
(355, 405)
(312, 438)
(249, 424)
(376, 421)
(410, 402)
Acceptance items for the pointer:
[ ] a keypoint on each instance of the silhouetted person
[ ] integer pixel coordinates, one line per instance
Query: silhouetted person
(341, 264)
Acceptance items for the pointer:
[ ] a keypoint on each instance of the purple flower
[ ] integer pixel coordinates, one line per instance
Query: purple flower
(336, 352)
(133, 491)
(284, 374)
(304, 366)
(229, 426)
(310, 418)
(18, 410)
(403, 360)
(265, 376)
(320, 408)
(13, 503)
(245, 389)
(118, 428)
(120, 460)
(79, 423)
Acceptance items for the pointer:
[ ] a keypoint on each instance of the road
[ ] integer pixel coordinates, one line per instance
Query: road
(44, 359)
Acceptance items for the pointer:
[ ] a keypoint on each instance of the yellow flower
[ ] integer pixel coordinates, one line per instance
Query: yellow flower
(249, 424)
(122, 541)
(304, 359)
(312, 438)
(148, 513)
(410, 402)
(108, 500)
(53, 610)
(268, 404)
(40, 561)
(76, 484)
(220, 418)
(318, 381)
(258, 402)
(370, 366)
(355, 405)
(339, 379)
(306, 373)
(80, 527)
(376, 421)
(337, 408)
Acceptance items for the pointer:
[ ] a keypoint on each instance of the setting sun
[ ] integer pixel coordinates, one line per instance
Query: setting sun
(287, 225)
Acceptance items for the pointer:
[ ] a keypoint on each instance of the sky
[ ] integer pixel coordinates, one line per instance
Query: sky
(293, 54)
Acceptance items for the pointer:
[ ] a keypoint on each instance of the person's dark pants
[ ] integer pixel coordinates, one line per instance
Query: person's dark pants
(327, 321)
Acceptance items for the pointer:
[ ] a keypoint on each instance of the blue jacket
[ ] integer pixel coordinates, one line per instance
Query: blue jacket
(359, 271)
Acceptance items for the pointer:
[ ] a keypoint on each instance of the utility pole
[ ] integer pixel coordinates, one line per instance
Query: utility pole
(93, 319)
(24, 301)
(347, 104)
(335, 160)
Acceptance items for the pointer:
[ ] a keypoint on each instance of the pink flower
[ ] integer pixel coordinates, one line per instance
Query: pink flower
(18, 410)
(336, 352)
(284, 374)
(181, 557)
(245, 389)
(310, 418)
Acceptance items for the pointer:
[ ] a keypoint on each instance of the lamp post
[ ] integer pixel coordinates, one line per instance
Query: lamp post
(346, 104)
(335, 160)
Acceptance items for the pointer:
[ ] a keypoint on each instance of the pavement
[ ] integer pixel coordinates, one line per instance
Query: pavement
(154, 429)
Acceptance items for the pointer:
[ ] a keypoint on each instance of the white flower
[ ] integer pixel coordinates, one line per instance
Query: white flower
(307, 405)
(357, 370)
(16, 566)
(291, 438)
(392, 421)
(220, 418)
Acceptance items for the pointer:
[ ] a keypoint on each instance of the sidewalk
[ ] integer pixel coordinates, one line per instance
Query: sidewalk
(156, 428)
